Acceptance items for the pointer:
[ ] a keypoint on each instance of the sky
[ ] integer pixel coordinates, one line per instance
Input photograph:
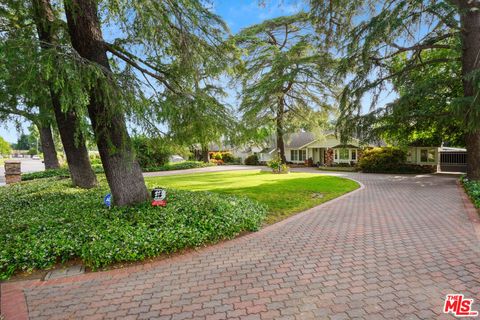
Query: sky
(238, 14)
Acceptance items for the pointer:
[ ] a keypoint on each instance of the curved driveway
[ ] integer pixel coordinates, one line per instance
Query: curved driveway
(389, 251)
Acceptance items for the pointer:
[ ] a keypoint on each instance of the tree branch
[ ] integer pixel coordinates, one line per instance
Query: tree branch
(129, 59)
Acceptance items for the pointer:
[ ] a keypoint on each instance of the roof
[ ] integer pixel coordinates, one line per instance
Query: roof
(345, 146)
(298, 140)
(268, 150)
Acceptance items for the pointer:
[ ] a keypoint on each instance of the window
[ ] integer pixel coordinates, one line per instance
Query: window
(302, 155)
(423, 155)
(298, 155)
(427, 155)
(354, 154)
(344, 154)
(293, 155)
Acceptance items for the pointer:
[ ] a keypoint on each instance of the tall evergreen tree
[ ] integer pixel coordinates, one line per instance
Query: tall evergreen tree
(393, 27)
(123, 172)
(287, 82)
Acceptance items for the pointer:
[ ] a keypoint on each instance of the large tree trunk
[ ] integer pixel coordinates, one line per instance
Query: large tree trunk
(50, 159)
(280, 130)
(470, 21)
(205, 157)
(124, 175)
(75, 148)
(68, 123)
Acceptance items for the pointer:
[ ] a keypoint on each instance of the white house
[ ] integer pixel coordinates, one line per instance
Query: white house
(324, 150)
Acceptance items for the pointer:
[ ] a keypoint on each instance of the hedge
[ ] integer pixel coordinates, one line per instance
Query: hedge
(64, 173)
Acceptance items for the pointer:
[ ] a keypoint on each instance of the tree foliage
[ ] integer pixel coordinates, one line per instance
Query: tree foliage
(4, 147)
(287, 82)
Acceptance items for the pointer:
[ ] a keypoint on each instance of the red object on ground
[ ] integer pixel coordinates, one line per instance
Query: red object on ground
(159, 203)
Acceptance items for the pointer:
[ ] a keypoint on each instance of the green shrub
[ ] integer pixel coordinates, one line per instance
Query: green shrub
(151, 152)
(252, 160)
(473, 190)
(381, 159)
(389, 160)
(97, 168)
(179, 166)
(217, 156)
(277, 166)
(59, 173)
(47, 221)
(228, 157)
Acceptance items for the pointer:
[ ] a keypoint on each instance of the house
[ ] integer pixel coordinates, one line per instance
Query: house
(323, 150)
(446, 159)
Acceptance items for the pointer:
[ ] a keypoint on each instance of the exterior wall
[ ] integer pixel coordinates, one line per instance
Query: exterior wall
(288, 155)
(414, 155)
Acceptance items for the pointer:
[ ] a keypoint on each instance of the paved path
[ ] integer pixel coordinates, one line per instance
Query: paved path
(389, 251)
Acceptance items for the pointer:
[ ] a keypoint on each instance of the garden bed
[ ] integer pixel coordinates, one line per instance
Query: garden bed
(45, 222)
(473, 190)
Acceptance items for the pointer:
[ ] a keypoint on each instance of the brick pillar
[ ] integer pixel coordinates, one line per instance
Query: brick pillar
(13, 172)
(329, 157)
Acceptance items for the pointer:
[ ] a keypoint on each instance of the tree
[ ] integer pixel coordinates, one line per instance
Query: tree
(68, 121)
(5, 148)
(166, 33)
(422, 114)
(123, 172)
(287, 82)
(35, 72)
(410, 28)
(201, 120)
(17, 99)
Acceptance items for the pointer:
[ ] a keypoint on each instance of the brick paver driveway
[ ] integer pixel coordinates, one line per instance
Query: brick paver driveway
(389, 251)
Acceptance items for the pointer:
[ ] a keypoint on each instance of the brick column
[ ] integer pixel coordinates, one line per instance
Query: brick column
(13, 172)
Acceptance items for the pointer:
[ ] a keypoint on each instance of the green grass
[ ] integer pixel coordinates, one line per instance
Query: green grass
(283, 194)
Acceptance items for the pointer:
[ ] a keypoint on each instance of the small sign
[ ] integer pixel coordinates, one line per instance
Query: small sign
(108, 200)
(159, 196)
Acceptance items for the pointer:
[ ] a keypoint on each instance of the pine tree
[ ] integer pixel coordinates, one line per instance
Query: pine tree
(391, 28)
(287, 82)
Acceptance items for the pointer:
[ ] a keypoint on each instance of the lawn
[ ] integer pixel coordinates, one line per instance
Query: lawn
(283, 194)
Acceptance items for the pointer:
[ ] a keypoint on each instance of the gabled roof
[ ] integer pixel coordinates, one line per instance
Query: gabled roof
(302, 139)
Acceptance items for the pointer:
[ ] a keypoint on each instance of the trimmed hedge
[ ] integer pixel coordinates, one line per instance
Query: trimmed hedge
(59, 173)
(64, 173)
(473, 190)
(47, 221)
(180, 166)
(389, 160)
